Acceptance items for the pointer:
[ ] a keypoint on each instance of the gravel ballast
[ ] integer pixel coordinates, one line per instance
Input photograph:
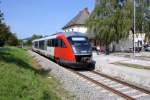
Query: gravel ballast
(79, 87)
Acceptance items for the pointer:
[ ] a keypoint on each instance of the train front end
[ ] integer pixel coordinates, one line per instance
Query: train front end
(82, 51)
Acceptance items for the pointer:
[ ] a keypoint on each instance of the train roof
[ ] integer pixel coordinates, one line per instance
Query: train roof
(67, 34)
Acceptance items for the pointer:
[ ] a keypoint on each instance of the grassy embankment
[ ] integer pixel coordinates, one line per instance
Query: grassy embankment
(20, 79)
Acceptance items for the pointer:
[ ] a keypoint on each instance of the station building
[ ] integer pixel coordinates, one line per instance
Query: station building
(77, 24)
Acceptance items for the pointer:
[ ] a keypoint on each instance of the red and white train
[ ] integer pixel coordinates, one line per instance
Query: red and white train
(70, 48)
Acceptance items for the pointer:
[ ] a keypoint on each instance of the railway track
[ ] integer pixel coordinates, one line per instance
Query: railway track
(120, 88)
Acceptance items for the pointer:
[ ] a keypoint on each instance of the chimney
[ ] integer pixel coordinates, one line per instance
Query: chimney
(86, 10)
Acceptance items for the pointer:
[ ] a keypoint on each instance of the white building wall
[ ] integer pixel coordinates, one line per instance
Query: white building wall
(127, 44)
(123, 45)
(81, 29)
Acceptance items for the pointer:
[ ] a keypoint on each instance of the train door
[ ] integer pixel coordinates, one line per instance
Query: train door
(66, 52)
(50, 48)
(57, 51)
(62, 51)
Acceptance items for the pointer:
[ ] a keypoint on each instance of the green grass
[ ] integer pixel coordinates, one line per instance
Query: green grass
(21, 80)
(132, 65)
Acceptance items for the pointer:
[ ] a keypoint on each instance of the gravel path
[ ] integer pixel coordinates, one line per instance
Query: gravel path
(81, 88)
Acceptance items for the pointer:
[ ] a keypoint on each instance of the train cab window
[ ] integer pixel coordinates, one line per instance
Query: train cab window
(78, 41)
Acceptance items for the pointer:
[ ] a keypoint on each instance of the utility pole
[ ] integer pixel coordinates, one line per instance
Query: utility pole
(134, 18)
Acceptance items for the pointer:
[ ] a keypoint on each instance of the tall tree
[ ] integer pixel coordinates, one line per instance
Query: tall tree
(4, 30)
(122, 20)
(111, 21)
(33, 37)
(1, 17)
(139, 15)
(6, 36)
(146, 24)
(12, 40)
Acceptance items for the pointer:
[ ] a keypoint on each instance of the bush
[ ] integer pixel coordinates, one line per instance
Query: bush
(1, 43)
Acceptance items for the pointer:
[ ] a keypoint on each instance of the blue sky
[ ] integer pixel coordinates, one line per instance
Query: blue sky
(42, 17)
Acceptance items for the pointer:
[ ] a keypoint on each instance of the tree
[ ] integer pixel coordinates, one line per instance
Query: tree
(33, 37)
(1, 17)
(139, 16)
(12, 40)
(4, 30)
(143, 17)
(122, 21)
(111, 21)
(146, 24)
(6, 36)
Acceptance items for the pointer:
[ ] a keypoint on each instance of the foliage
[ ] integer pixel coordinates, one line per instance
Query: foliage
(20, 80)
(12, 40)
(1, 16)
(122, 21)
(6, 36)
(33, 37)
(110, 21)
(146, 14)
(139, 17)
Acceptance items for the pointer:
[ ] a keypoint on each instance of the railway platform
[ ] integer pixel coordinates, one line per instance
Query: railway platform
(132, 70)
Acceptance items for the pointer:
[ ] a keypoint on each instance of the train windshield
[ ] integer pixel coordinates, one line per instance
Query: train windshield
(79, 44)
(78, 41)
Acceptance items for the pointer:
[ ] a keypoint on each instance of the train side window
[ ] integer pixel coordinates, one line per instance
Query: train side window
(55, 42)
(36, 44)
(33, 44)
(61, 43)
(41, 45)
(45, 44)
(49, 43)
